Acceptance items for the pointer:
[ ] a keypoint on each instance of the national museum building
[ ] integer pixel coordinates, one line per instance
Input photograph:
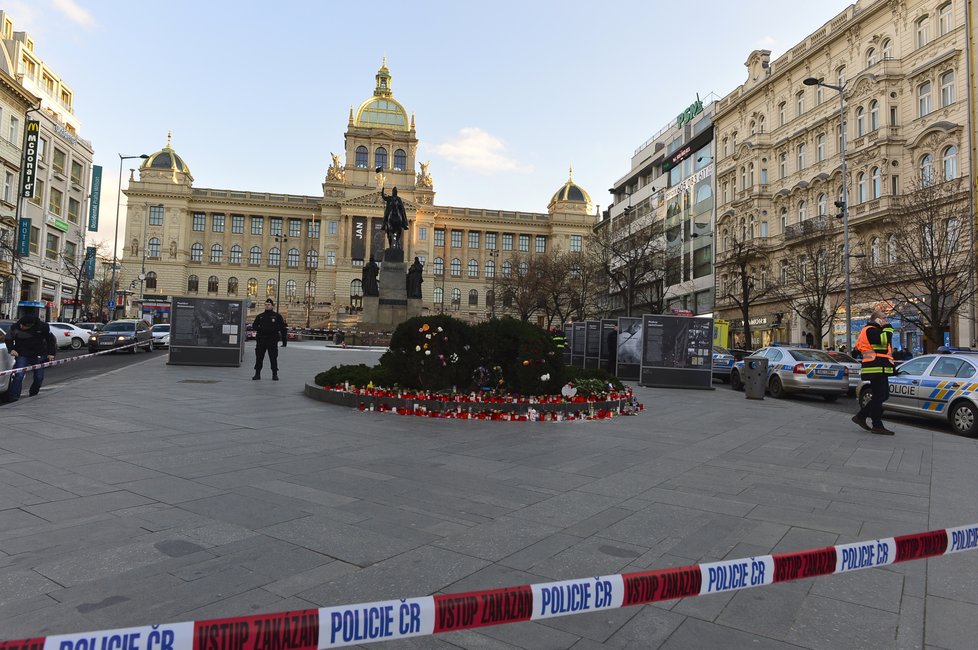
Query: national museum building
(310, 250)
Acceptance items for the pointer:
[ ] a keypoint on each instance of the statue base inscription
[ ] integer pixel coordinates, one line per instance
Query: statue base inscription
(392, 307)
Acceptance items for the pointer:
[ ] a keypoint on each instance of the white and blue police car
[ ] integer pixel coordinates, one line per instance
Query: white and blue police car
(723, 363)
(798, 370)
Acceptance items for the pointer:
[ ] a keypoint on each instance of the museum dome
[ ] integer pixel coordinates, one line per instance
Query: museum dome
(382, 111)
(165, 160)
(571, 191)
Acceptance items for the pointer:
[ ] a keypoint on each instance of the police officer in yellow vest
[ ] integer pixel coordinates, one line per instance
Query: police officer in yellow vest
(877, 359)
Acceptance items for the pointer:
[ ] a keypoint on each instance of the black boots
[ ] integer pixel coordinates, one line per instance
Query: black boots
(274, 376)
(257, 375)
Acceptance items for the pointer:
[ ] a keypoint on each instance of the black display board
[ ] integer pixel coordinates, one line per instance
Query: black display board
(629, 361)
(677, 351)
(592, 343)
(207, 331)
(577, 344)
(568, 337)
(608, 354)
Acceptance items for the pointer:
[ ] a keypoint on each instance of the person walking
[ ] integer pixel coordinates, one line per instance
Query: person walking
(874, 344)
(30, 342)
(269, 326)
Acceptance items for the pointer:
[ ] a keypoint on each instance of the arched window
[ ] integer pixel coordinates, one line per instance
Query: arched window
(822, 204)
(760, 124)
(310, 289)
(781, 114)
(924, 105)
(820, 147)
(235, 254)
(274, 256)
(438, 266)
(877, 182)
(743, 176)
(473, 269)
(782, 165)
(270, 287)
(290, 288)
(356, 288)
(870, 57)
(802, 211)
(950, 163)
(151, 280)
(750, 175)
(751, 226)
(874, 115)
(801, 157)
(860, 121)
(254, 255)
(785, 270)
(292, 261)
(217, 253)
(860, 187)
(891, 250)
(439, 295)
(456, 267)
(874, 251)
(726, 239)
(784, 220)
(947, 88)
(886, 49)
(927, 169)
(800, 103)
(380, 157)
(945, 19)
(362, 157)
(192, 283)
(490, 269)
(473, 298)
(490, 298)
(232, 286)
(524, 268)
(153, 250)
(953, 231)
(312, 259)
(400, 160)
(508, 299)
(507, 269)
(197, 252)
(923, 31)
(212, 284)
(253, 287)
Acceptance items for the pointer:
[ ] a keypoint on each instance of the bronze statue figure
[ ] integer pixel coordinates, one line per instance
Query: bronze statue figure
(395, 218)
(369, 278)
(414, 279)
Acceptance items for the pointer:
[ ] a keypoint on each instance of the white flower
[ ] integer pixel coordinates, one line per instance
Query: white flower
(440, 329)
(417, 348)
(427, 352)
(545, 377)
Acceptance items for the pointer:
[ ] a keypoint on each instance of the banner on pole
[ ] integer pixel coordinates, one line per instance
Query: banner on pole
(94, 200)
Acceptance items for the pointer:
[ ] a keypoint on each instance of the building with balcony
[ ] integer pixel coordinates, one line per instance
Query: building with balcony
(187, 240)
(902, 69)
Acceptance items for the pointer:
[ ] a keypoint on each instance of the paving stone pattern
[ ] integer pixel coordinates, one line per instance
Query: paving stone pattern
(138, 498)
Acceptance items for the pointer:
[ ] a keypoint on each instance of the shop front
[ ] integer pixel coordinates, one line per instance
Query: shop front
(764, 330)
(906, 335)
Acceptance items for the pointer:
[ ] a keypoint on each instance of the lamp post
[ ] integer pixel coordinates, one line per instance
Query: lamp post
(115, 242)
(494, 254)
(279, 239)
(843, 203)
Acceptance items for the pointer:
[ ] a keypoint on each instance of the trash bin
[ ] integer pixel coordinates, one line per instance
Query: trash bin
(755, 377)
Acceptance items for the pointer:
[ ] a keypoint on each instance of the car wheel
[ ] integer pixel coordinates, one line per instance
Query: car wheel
(735, 382)
(830, 398)
(134, 349)
(865, 397)
(76, 343)
(776, 387)
(964, 418)
(150, 347)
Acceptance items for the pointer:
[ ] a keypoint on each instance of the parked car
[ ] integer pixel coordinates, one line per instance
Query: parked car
(120, 333)
(936, 386)
(91, 327)
(798, 370)
(723, 363)
(6, 363)
(69, 336)
(293, 334)
(854, 367)
(161, 335)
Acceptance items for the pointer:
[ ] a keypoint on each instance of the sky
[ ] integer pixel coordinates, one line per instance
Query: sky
(508, 95)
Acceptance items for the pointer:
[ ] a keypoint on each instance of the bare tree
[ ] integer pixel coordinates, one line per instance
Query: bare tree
(630, 251)
(520, 285)
(928, 265)
(554, 271)
(743, 263)
(75, 266)
(812, 276)
(586, 277)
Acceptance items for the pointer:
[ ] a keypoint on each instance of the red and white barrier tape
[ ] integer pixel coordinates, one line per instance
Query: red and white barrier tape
(333, 627)
(58, 362)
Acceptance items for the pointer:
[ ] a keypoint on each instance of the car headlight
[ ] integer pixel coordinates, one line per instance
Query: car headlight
(122, 338)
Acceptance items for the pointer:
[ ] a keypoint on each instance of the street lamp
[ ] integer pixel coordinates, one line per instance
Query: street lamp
(843, 203)
(279, 239)
(494, 254)
(115, 242)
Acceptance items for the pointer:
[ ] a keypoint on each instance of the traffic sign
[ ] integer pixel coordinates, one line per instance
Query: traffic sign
(110, 304)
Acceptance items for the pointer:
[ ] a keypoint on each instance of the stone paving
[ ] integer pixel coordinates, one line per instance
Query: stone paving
(165, 493)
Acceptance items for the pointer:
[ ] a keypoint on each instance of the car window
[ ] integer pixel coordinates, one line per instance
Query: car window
(842, 357)
(719, 350)
(58, 326)
(915, 366)
(119, 327)
(161, 328)
(774, 355)
(966, 370)
(812, 355)
(946, 367)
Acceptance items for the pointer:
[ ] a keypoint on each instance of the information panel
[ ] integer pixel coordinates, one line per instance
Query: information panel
(207, 331)
(592, 343)
(608, 353)
(577, 345)
(677, 351)
(629, 359)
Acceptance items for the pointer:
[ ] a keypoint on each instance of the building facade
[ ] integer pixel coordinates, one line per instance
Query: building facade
(902, 69)
(48, 276)
(668, 194)
(310, 250)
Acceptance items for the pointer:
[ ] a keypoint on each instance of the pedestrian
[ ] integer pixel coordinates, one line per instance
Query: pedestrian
(877, 366)
(269, 327)
(30, 342)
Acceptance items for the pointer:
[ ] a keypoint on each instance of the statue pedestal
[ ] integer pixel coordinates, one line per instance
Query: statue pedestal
(392, 306)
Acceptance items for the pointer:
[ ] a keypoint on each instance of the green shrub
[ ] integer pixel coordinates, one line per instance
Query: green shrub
(521, 355)
(358, 375)
(431, 353)
(591, 379)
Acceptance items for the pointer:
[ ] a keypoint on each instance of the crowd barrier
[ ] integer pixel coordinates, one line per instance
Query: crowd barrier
(58, 362)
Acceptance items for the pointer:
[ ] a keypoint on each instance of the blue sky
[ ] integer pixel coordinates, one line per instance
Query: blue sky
(507, 95)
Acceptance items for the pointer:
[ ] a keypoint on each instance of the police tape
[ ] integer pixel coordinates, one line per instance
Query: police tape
(58, 362)
(334, 627)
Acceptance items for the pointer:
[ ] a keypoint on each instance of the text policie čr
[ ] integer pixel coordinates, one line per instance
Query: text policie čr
(863, 556)
(734, 575)
(568, 597)
(963, 539)
(378, 621)
(156, 639)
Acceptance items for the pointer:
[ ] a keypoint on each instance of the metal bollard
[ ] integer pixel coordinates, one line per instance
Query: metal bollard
(755, 377)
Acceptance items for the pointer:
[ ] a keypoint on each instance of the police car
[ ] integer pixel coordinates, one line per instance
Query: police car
(936, 386)
(798, 370)
(723, 363)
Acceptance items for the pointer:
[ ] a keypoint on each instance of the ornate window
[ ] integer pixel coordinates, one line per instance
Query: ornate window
(400, 160)
(801, 157)
(861, 187)
(877, 182)
(927, 169)
(782, 165)
(438, 266)
(310, 289)
(232, 286)
(217, 254)
(361, 157)
(473, 269)
(456, 267)
(234, 256)
(254, 255)
(784, 220)
(800, 103)
(945, 19)
(473, 298)
(490, 269)
(253, 287)
(380, 157)
(456, 297)
(151, 280)
(874, 251)
(312, 259)
(274, 256)
(270, 287)
(860, 122)
(781, 114)
(507, 269)
(874, 115)
(802, 211)
(891, 250)
(821, 204)
(924, 105)
(886, 49)
(197, 252)
(947, 88)
(290, 288)
(870, 57)
(922, 31)
(950, 163)
(153, 250)
(820, 147)
(212, 284)
(439, 296)
(192, 283)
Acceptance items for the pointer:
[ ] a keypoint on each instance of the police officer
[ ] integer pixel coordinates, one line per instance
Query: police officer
(269, 327)
(30, 342)
(877, 361)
